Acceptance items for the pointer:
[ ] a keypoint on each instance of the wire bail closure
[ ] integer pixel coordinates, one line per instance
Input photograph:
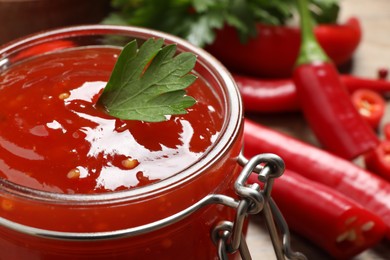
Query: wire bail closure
(227, 236)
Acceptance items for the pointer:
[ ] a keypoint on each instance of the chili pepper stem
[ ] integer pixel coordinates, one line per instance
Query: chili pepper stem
(324, 100)
(310, 50)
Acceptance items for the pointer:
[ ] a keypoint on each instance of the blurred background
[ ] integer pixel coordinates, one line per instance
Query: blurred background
(22, 17)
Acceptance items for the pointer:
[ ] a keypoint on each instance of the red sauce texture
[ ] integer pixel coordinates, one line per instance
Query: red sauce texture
(53, 136)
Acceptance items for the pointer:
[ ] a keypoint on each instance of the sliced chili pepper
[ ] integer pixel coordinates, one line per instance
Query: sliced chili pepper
(365, 188)
(275, 49)
(279, 95)
(370, 104)
(326, 217)
(378, 160)
(325, 101)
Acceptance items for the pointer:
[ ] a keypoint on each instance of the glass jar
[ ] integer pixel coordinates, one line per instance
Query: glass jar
(38, 224)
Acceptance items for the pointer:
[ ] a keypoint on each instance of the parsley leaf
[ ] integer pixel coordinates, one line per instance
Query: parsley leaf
(149, 83)
(197, 20)
(325, 11)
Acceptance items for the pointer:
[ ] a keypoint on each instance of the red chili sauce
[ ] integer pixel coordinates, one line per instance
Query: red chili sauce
(54, 137)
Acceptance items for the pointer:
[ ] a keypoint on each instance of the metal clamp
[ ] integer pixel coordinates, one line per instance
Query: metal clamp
(228, 235)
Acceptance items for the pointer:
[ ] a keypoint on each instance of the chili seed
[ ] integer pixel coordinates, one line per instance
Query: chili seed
(73, 174)
(350, 220)
(349, 235)
(366, 108)
(342, 237)
(368, 226)
(129, 163)
(63, 96)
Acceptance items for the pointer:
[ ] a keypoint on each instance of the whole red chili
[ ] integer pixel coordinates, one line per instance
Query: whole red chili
(324, 100)
(275, 49)
(370, 105)
(365, 188)
(378, 160)
(267, 95)
(324, 216)
(279, 95)
(353, 83)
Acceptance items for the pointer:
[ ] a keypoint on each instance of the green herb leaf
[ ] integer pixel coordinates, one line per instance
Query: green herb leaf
(325, 11)
(149, 83)
(197, 20)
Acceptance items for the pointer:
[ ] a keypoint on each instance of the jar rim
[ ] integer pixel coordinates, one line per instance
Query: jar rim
(233, 119)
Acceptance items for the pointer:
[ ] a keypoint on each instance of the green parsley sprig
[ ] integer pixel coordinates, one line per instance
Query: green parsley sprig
(148, 83)
(197, 20)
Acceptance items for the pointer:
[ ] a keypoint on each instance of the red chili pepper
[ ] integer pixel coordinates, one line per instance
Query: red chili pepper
(386, 130)
(275, 49)
(370, 104)
(353, 83)
(365, 188)
(267, 95)
(324, 216)
(279, 95)
(378, 160)
(325, 101)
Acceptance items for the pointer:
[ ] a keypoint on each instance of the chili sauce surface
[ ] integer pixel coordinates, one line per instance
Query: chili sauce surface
(54, 137)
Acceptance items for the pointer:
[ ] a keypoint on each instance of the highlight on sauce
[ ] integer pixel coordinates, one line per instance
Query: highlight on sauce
(53, 136)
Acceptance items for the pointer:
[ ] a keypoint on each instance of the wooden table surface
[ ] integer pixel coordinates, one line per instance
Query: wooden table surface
(373, 53)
